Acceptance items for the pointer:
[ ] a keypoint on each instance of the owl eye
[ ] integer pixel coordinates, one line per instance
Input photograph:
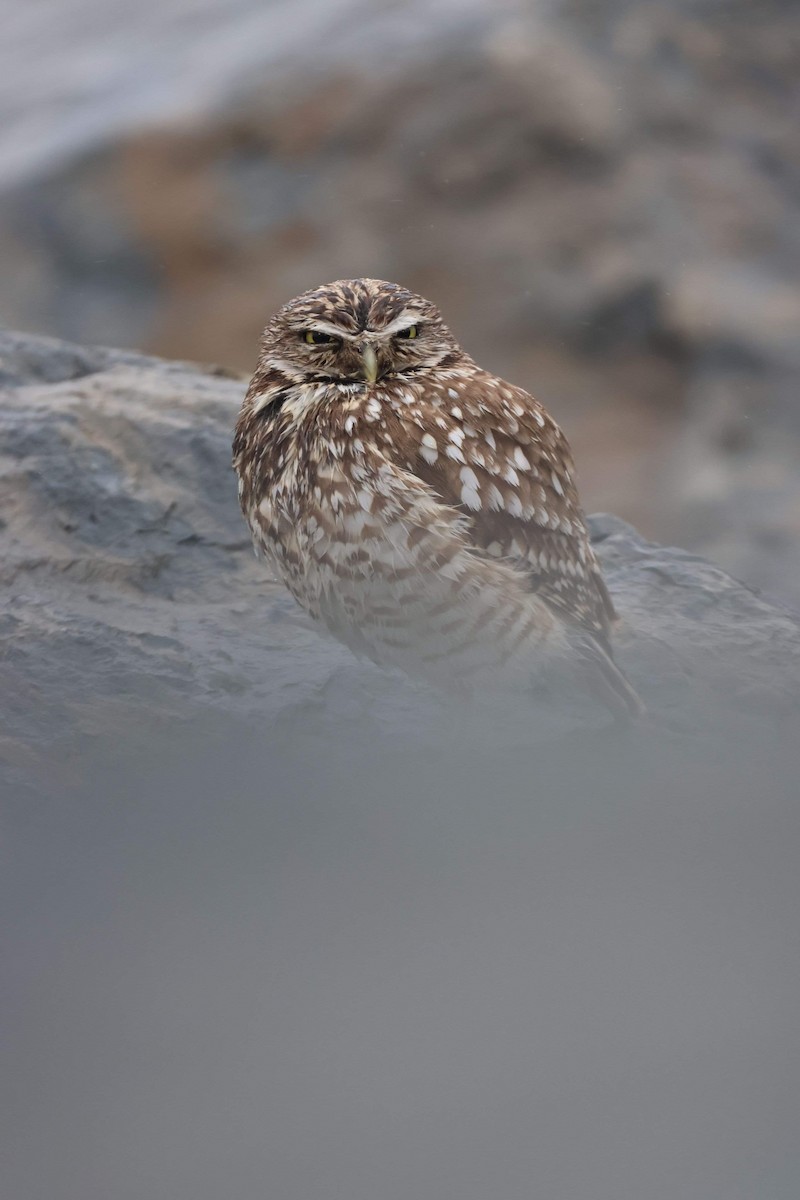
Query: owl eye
(409, 333)
(315, 338)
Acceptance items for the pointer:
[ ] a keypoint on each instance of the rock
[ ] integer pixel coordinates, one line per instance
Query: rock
(132, 605)
(718, 305)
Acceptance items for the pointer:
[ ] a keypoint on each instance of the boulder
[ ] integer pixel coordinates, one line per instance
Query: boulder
(133, 607)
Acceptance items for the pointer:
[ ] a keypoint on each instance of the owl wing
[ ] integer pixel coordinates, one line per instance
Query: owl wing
(506, 465)
(525, 536)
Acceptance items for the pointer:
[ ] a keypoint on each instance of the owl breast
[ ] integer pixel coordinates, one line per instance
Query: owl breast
(366, 547)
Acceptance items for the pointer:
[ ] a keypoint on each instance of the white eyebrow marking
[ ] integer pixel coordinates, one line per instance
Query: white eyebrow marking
(325, 327)
(406, 318)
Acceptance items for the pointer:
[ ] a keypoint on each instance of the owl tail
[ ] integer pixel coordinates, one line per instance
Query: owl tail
(607, 682)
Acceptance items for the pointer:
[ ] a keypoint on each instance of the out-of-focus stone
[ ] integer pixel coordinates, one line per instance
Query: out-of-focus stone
(717, 304)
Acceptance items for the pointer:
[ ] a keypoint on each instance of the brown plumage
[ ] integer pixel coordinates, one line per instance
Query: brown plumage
(422, 508)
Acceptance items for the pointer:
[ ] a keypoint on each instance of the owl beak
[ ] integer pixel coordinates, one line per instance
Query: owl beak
(370, 360)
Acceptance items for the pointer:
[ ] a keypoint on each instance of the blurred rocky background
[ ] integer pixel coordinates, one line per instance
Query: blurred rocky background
(603, 198)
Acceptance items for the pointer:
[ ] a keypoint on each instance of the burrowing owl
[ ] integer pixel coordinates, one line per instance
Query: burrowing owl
(420, 507)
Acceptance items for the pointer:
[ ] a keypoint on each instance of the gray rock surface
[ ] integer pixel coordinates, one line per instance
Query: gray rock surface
(132, 605)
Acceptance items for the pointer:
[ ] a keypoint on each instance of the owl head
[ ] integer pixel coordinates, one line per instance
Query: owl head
(357, 331)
